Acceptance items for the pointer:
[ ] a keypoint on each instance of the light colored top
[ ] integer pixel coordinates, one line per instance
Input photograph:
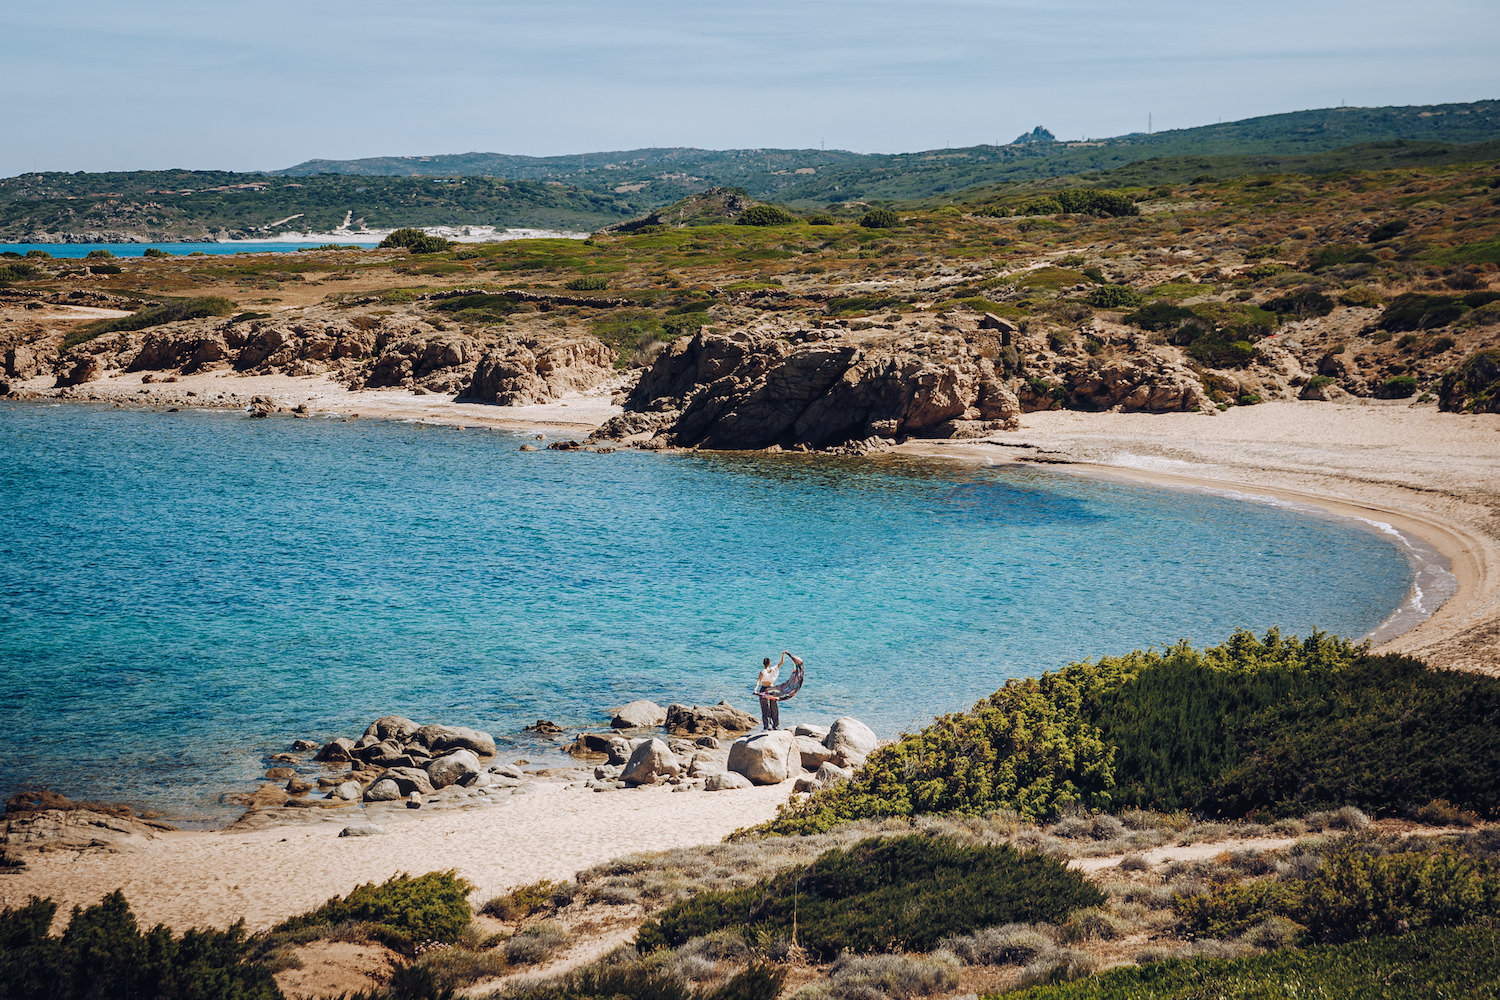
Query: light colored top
(768, 676)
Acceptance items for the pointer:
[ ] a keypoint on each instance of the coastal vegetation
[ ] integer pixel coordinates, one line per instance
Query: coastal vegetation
(153, 315)
(1270, 725)
(881, 895)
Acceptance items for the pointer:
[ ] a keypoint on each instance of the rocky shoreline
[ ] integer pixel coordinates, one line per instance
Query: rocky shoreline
(397, 764)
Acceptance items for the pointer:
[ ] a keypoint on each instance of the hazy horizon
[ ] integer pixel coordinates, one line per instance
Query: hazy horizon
(174, 84)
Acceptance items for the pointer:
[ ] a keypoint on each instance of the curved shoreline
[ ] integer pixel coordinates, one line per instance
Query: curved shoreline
(1342, 476)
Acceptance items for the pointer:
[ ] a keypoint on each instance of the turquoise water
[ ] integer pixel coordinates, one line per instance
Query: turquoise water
(184, 593)
(71, 250)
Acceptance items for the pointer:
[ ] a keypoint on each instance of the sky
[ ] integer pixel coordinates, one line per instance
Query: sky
(225, 84)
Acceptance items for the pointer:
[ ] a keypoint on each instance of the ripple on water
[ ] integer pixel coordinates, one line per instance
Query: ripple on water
(181, 594)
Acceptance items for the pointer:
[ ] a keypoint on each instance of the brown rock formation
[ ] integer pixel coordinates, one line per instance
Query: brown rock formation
(752, 391)
(517, 373)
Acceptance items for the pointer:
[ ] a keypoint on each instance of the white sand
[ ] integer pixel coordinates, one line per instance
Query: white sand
(213, 878)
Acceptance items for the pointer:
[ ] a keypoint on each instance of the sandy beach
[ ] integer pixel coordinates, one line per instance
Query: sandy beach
(1433, 477)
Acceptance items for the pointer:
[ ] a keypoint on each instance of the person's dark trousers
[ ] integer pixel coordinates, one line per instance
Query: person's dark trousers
(770, 713)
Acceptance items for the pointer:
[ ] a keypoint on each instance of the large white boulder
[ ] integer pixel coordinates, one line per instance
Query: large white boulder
(453, 769)
(851, 739)
(649, 763)
(765, 758)
(641, 714)
(438, 738)
(812, 752)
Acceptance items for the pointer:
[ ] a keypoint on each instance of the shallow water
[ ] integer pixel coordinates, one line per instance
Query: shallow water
(183, 593)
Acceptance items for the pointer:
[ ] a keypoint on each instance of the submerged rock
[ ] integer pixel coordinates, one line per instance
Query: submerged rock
(640, 714)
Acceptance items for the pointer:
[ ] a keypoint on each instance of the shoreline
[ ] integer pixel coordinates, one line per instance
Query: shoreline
(1433, 477)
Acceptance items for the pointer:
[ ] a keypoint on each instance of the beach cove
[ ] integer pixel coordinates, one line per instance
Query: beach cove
(1362, 468)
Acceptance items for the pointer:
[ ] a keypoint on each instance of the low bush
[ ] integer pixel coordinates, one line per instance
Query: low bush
(1303, 304)
(1397, 387)
(154, 252)
(1431, 963)
(1113, 297)
(897, 977)
(534, 943)
(880, 218)
(525, 900)
(1008, 944)
(1219, 351)
(1416, 311)
(588, 283)
(403, 911)
(1158, 316)
(103, 954)
(1388, 230)
(766, 215)
(171, 312)
(1355, 893)
(636, 982)
(897, 893)
(17, 271)
(415, 241)
(98, 255)
(1337, 255)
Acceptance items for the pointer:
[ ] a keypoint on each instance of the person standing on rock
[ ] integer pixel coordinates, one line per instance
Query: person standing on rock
(770, 708)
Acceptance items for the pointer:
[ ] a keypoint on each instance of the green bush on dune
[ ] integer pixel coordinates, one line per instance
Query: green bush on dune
(1274, 725)
(170, 312)
(402, 911)
(898, 893)
(1433, 963)
(103, 953)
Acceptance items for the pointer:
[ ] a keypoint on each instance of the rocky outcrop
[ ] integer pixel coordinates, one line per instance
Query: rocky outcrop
(723, 781)
(742, 390)
(79, 370)
(455, 768)
(722, 719)
(1146, 385)
(441, 363)
(523, 372)
(765, 758)
(639, 714)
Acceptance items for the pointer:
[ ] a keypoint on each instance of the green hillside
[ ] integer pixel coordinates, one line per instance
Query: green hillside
(594, 190)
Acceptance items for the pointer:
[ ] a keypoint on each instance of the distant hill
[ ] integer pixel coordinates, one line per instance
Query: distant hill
(807, 177)
(592, 190)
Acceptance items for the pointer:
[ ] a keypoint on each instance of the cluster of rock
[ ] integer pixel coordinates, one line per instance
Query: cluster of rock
(747, 390)
(697, 750)
(398, 759)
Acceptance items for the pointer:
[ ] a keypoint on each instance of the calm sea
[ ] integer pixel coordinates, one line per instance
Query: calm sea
(182, 594)
(71, 250)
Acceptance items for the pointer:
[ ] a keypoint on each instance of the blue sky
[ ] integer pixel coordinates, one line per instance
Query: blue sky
(94, 85)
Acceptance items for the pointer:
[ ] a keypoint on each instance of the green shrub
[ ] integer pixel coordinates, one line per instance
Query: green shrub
(1274, 724)
(898, 893)
(1336, 255)
(1113, 297)
(1302, 304)
(1388, 230)
(404, 911)
(1431, 963)
(38, 254)
(17, 271)
(154, 252)
(821, 219)
(1218, 351)
(104, 954)
(1086, 201)
(1262, 252)
(636, 982)
(1397, 387)
(171, 312)
(880, 218)
(523, 901)
(588, 283)
(1355, 892)
(1267, 270)
(105, 269)
(415, 241)
(99, 255)
(765, 215)
(1416, 311)
(1160, 316)
(1359, 295)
